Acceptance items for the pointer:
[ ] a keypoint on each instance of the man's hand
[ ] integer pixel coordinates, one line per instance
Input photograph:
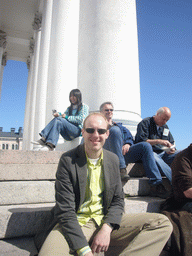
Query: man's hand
(102, 240)
(56, 114)
(172, 151)
(89, 254)
(165, 143)
(125, 149)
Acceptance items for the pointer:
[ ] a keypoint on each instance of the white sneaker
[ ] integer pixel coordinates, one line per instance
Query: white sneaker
(44, 148)
(38, 142)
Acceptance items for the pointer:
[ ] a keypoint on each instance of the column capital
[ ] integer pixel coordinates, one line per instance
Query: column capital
(4, 59)
(37, 21)
(3, 41)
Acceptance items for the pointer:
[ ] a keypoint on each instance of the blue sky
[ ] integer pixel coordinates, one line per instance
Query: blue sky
(165, 58)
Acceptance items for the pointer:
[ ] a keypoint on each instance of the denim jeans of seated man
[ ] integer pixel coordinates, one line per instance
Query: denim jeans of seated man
(138, 152)
(59, 125)
(164, 161)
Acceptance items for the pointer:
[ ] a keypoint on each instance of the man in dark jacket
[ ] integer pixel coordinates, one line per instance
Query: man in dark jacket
(90, 204)
(120, 142)
(155, 131)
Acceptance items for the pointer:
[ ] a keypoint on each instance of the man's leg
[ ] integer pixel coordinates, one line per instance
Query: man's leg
(143, 151)
(114, 143)
(168, 158)
(56, 245)
(61, 126)
(142, 234)
(163, 167)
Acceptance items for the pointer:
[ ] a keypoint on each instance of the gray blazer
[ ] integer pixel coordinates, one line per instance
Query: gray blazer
(70, 186)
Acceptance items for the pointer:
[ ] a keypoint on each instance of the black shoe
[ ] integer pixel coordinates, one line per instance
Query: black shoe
(124, 176)
(50, 146)
(159, 191)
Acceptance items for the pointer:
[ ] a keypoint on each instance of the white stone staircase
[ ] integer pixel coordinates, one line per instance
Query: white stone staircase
(27, 195)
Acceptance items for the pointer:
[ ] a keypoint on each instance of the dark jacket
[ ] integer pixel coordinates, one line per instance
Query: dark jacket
(127, 136)
(70, 186)
(147, 130)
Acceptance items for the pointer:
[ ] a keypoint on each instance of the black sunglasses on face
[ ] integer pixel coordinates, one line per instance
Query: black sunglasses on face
(107, 110)
(92, 130)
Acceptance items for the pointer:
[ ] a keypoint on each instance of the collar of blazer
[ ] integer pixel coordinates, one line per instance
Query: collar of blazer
(81, 166)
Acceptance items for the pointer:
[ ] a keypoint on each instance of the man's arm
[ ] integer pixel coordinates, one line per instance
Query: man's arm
(160, 142)
(127, 138)
(143, 134)
(182, 173)
(114, 203)
(65, 209)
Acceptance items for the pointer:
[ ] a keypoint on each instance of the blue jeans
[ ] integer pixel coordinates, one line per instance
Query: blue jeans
(59, 125)
(164, 161)
(114, 143)
(138, 152)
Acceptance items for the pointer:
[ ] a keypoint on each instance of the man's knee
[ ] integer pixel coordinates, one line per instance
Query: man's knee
(115, 132)
(146, 146)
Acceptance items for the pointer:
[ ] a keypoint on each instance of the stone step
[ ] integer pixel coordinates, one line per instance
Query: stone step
(29, 192)
(27, 219)
(18, 247)
(39, 165)
(28, 165)
(29, 157)
(25, 247)
(23, 220)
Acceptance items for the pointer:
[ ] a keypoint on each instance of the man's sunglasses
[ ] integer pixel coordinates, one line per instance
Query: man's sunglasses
(92, 130)
(107, 110)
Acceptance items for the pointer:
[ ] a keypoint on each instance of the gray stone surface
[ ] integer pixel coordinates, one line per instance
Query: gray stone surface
(140, 186)
(29, 157)
(23, 220)
(26, 192)
(10, 172)
(18, 247)
(136, 187)
(142, 204)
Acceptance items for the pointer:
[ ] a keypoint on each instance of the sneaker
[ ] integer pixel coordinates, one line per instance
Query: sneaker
(159, 191)
(124, 176)
(45, 148)
(50, 146)
(39, 142)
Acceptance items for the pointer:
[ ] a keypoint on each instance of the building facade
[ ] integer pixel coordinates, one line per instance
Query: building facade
(11, 140)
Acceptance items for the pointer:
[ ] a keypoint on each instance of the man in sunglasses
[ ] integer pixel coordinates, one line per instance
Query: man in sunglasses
(121, 143)
(90, 204)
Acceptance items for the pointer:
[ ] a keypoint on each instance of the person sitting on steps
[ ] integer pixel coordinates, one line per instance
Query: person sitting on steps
(69, 124)
(120, 142)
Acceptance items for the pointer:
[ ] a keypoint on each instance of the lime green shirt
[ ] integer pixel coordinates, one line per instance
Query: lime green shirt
(93, 204)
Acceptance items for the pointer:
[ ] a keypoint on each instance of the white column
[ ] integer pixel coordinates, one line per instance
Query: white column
(63, 59)
(108, 56)
(26, 129)
(40, 112)
(34, 74)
